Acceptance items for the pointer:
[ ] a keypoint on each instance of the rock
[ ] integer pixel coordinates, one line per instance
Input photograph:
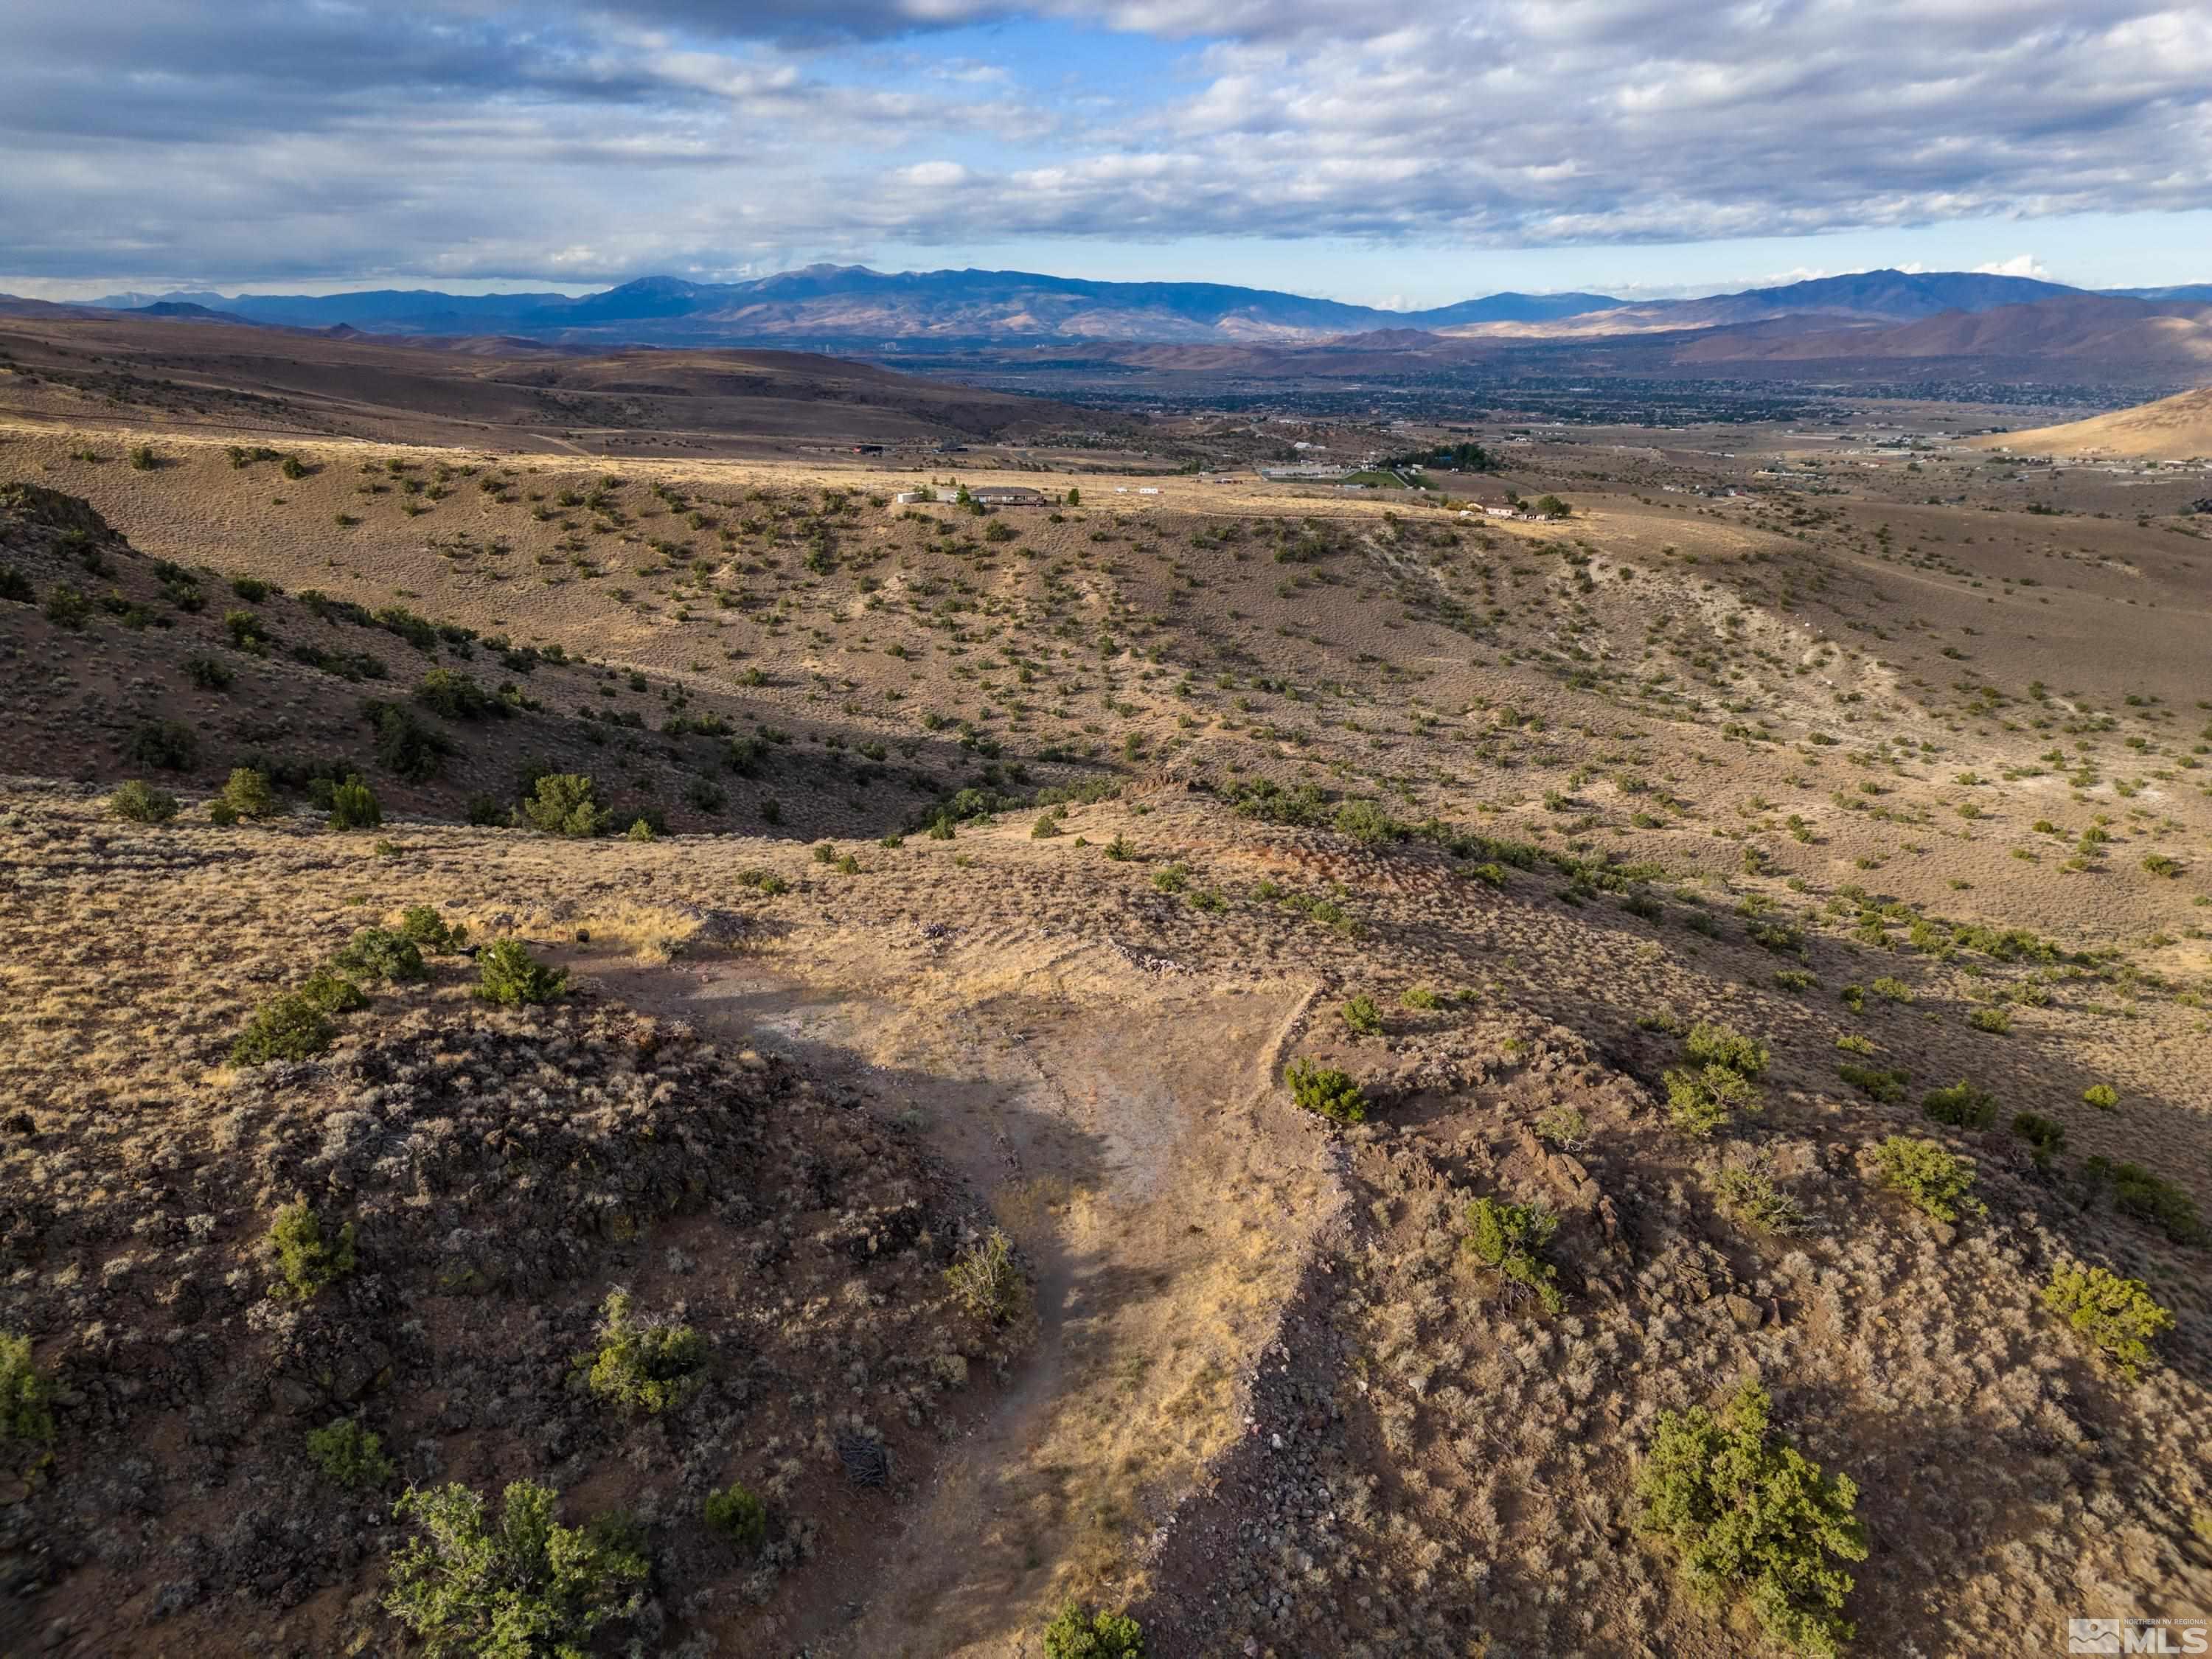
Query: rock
(1747, 1313)
(292, 1396)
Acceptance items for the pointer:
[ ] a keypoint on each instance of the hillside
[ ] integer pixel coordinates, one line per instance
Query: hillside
(2176, 429)
(206, 371)
(1655, 868)
(2095, 336)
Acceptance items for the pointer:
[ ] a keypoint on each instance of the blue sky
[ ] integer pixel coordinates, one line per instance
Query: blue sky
(1391, 153)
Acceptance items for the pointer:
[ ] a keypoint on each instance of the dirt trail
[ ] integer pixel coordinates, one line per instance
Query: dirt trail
(1123, 1126)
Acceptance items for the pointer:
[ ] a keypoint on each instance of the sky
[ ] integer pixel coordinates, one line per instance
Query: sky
(1401, 153)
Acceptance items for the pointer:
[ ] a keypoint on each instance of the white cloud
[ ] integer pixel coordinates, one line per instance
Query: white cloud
(694, 136)
(2020, 264)
(935, 175)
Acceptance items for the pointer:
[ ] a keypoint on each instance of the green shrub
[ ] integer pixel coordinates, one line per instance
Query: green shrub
(381, 953)
(1362, 1016)
(1995, 1021)
(308, 1263)
(68, 607)
(221, 812)
(1566, 1128)
(2102, 1096)
(354, 806)
(249, 794)
(641, 830)
(24, 1414)
(986, 1278)
(1932, 1180)
(333, 993)
(649, 1365)
(1419, 998)
(1885, 1084)
(1045, 828)
(738, 1518)
(2117, 1317)
(1509, 1238)
(1749, 1196)
(2045, 1137)
(1893, 990)
(171, 745)
(1080, 1633)
(1701, 1102)
(246, 630)
(289, 1027)
(405, 747)
(566, 804)
(141, 802)
(421, 924)
(526, 1587)
(1364, 822)
(508, 974)
(15, 585)
(208, 674)
(1332, 1094)
(143, 457)
(456, 696)
(2148, 1197)
(1717, 1045)
(1750, 1515)
(1961, 1105)
(484, 811)
(349, 1455)
(1795, 979)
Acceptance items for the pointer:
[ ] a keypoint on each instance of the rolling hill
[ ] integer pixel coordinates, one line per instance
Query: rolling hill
(2174, 428)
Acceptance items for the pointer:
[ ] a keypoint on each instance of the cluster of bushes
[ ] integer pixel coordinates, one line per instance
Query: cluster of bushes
(296, 1025)
(643, 1364)
(1078, 1632)
(1961, 1105)
(986, 1278)
(1709, 1094)
(1749, 1515)
(525, 1585)
(2117, 1317)
(1932, 1179)
(1330, 1094)
(1510, 1238)
(2148, 1197)
(309, 1261)
(25, 1414)
(405, 746)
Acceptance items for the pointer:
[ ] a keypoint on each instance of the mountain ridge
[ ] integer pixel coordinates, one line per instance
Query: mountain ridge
(897, 310)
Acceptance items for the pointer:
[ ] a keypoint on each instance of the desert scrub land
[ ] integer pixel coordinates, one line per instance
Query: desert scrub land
(442, 1239)
(1312, 1076)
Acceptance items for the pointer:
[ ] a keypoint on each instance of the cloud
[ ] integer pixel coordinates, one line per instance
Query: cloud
(2020, 264)
(477, 138)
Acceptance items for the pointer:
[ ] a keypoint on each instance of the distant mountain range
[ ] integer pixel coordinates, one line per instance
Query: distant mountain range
(852, 307)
